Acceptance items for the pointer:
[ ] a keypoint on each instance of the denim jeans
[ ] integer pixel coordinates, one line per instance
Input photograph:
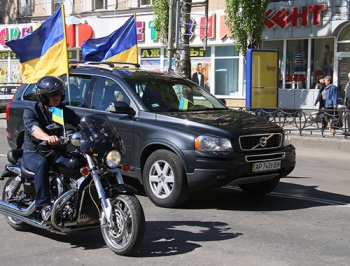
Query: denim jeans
(38, 164)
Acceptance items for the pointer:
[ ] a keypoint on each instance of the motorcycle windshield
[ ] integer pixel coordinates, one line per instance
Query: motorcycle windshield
(99, 136)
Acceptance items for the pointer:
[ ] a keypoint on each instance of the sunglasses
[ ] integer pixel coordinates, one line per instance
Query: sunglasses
(55, 94)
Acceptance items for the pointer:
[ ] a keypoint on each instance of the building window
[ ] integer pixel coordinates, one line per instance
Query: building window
(227, 74)
(145, 2)
(1, 17)
(105, 4)
(24, 8)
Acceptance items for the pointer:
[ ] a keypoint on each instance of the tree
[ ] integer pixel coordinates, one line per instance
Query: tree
(161, 23)
(245, 19)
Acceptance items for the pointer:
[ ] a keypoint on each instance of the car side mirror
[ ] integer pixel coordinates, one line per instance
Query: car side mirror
(121, 108)
(223, 101)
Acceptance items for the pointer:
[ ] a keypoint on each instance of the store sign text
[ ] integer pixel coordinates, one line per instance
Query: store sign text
(283, 17)
(78, 34)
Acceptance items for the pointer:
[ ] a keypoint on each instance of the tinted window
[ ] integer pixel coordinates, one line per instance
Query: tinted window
(76, 90)
(107, 91)
(30, 93)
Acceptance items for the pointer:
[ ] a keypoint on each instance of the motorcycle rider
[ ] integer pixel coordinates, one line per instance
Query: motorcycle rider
(40, 141)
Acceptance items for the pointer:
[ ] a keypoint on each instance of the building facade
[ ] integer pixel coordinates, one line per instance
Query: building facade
(312, 38)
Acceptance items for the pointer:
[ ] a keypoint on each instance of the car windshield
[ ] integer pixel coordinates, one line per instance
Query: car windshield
(164, 92)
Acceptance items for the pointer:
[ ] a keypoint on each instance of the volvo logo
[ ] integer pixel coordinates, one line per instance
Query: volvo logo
(263, 142)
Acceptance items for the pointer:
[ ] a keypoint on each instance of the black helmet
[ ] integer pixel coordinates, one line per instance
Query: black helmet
(49, 85)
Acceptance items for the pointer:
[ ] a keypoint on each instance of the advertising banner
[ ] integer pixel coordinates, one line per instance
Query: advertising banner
(262, 78)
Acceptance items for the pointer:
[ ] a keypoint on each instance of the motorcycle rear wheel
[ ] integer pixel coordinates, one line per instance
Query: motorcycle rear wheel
(129, 230)
(14, 223)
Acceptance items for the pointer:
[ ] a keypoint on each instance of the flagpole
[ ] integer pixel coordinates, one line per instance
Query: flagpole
(136, 38)
(67, 64)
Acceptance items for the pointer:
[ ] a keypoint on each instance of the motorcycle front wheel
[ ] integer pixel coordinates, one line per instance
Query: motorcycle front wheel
(129, 225)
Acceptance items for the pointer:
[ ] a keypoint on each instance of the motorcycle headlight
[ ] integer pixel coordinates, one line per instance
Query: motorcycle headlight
(209, 143)
(113, 158)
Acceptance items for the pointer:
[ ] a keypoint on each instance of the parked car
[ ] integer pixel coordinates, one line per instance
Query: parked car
(178, 137)
(6, 94)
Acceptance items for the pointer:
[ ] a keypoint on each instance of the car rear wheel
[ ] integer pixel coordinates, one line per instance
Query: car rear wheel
(260, 188)
(165, 180)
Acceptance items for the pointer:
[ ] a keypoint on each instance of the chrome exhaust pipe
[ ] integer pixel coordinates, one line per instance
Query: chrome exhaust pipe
(21, 214)
(5, 206)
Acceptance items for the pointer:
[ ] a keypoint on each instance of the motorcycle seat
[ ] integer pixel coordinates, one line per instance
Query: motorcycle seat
(14, 155)
(27, 174)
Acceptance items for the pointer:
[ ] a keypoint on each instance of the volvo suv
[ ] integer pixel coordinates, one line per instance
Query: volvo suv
(178, 137)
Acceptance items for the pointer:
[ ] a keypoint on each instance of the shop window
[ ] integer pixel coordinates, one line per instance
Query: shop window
(227, 69)
(226, 77)
(344, 40)
(322, 59)
(226, 51)
(294, 74)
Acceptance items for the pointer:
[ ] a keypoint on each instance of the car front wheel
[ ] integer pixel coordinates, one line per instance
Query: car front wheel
(165, 180)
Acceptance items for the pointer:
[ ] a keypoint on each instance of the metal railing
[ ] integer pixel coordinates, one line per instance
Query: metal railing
(307, 120)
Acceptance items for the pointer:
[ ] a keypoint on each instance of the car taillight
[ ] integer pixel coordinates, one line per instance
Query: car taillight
(8, 109)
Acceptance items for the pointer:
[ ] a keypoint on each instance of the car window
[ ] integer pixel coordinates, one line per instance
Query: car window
(106, 92)
(76, 90)
(30, 93)
(161, 92)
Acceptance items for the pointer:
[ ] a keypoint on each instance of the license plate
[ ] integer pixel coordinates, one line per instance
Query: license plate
(266, 166)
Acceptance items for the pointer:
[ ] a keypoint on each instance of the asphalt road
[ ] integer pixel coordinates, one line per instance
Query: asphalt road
(305, 221)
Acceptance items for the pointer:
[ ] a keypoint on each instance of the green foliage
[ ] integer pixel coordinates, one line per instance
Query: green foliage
(161, 14)
(245, 19)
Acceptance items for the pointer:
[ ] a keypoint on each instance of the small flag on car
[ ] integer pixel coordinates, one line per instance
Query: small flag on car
(183, 104)
(57, 115)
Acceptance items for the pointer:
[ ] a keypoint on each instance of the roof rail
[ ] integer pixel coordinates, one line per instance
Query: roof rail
(104, 65)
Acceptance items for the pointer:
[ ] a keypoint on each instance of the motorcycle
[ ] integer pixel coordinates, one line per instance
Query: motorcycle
(86, 186)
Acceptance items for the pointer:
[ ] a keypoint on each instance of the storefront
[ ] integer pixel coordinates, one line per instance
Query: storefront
(313, 40)
(300, 32)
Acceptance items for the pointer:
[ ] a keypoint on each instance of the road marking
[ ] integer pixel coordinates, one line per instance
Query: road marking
(3, 155)
(318, 200)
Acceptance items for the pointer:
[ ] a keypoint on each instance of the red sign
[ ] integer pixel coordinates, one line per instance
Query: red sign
(283, 17)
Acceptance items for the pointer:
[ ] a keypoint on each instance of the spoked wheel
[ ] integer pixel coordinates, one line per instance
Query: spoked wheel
(129, 225)
(14, 223)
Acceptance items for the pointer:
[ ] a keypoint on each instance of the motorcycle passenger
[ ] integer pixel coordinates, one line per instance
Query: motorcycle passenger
(40, 140)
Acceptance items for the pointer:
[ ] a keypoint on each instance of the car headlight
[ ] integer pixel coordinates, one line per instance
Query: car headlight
(113, 158)
(286, 140)
(209, 143)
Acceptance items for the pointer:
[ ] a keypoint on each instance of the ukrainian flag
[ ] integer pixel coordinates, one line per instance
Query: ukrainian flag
(120, 46)
(57, 115)
(183, 104)
(43, 52)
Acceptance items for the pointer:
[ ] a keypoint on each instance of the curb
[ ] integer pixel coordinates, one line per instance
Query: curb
(322, 143)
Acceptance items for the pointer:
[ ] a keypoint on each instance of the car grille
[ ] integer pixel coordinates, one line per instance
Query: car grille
(260, 141)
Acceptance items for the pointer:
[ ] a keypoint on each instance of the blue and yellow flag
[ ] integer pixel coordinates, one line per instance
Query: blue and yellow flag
(57, 115)
(183, 104)
(43, 52)
(120, 46)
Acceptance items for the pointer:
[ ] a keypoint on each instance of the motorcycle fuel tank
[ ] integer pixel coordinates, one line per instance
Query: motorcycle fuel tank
(70, 164)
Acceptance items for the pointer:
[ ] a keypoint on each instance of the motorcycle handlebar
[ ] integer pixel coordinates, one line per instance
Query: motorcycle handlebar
(62, 141)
